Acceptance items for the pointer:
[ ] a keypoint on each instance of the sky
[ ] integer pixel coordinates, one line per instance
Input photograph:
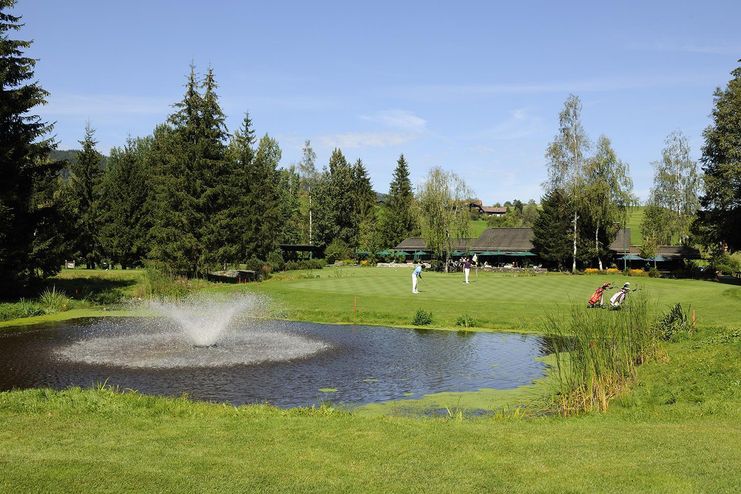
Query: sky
(472, 87)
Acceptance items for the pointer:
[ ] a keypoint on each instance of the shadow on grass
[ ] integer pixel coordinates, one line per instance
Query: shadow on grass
(97, 290)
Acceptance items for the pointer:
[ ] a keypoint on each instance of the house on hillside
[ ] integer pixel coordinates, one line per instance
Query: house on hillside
(477, 205)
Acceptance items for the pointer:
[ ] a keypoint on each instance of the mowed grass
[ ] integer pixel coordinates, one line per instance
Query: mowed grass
(494, 300)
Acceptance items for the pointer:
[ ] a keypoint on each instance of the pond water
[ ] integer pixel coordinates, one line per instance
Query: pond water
(286, 364)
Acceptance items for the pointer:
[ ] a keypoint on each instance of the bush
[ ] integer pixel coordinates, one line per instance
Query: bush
(675, 324)
(159, 283)
(591, 271)
(306, 264)
(637, 272)
(654, 273)
(54, 301)
(726, 263)
(21, 309)
(437, 265)
(466, 321)
(337, 250)
(422, 318)
(275, 259)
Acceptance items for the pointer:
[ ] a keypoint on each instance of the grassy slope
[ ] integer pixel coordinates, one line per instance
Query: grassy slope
(635, 218)
(677, 431)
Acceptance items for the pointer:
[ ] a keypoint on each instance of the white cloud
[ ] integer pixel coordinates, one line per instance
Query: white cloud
(398, 119)
(353, 140)
(518, 125)
(404, 126)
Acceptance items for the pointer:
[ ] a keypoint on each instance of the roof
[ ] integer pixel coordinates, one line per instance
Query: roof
(418, 243)
(622, 241)
(508, 241)
(667, 252)
(505, 239)
(493, 210)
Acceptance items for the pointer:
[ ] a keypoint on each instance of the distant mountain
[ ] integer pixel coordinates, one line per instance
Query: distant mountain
(381, 197)
(70, 155)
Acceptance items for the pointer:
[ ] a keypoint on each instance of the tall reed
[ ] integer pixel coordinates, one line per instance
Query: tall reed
(597, 352)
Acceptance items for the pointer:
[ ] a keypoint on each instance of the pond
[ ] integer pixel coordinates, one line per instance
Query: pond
(286, 364)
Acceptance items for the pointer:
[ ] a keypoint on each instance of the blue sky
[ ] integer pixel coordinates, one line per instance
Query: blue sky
(473, 87)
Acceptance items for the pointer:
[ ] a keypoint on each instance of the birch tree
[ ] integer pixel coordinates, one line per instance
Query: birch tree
(566, 163)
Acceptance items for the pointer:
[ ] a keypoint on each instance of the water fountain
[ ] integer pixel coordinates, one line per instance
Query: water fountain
(194, 332)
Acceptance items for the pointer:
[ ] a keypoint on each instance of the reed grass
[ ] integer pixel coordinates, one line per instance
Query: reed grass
(597, 353)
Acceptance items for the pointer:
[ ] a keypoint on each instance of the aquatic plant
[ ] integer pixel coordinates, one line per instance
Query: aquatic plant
(597, 353)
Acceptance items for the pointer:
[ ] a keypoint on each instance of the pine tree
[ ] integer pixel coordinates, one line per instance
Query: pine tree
(364, 202)
(552, 230)
(124, 198)
(27, 249)
(335, 203)
(261, 236)
(399, 222)
(191, 194)
(84, 190)
(241, 156)
(720, 218)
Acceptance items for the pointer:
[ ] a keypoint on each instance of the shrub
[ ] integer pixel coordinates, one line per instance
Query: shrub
(261, 268)
(54, 300)
(159, 283)
(726, 263)
(613, 271)
(437, 265)
(20, 309)
(591, 271)
(337, 250)
(422, 318)
(306, 264)
(275, 259)
(654, 273)
(466, 321)
(675, 323)
(637, 272)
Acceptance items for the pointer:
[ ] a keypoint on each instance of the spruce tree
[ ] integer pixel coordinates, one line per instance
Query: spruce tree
(190, 156)
(84, 195)
(124, 199)
(27, 249)
(399, 222)
(261, 236)
(364, 203)
(552, 230)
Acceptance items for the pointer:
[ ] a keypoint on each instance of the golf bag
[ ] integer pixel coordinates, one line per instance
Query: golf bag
(617, 300)
(596, 299)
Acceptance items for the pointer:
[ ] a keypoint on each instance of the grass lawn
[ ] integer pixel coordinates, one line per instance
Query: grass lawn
(494, 300)
(676, 431)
